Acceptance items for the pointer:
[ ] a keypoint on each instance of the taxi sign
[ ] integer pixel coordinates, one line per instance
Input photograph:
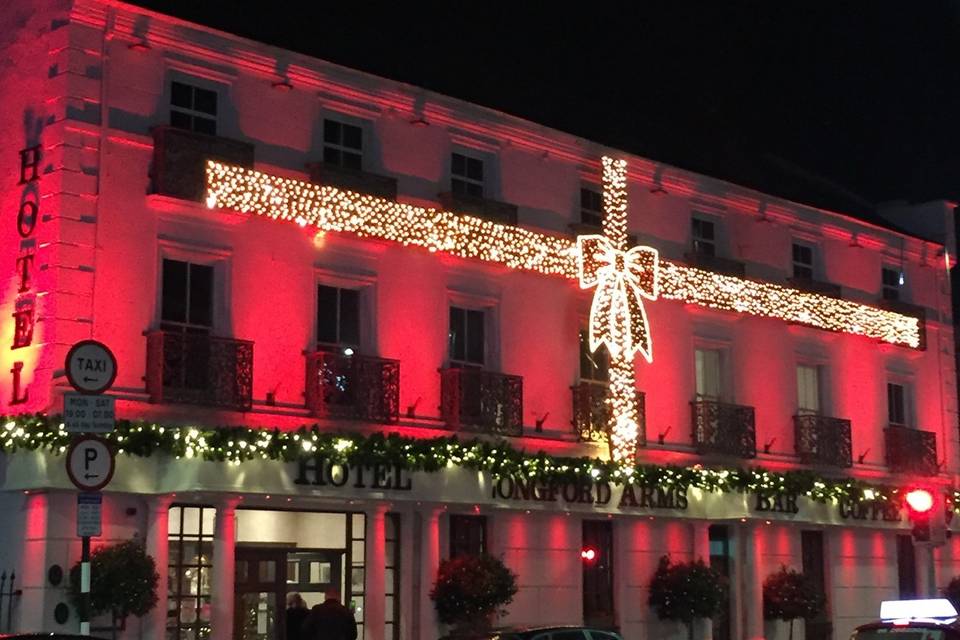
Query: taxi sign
(915, 609)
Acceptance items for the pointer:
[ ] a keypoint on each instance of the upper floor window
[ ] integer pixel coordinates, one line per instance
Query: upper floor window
(468, 535)
(591, 207)
(808, 389)
(802, 261)
(342, 144)
(338, 317)
(897, 404)
(892, 283)
(466, 175)
(467, 342)
(709, 381)
(193, 108)
(703, 235)
(186, 295)
(594, 366)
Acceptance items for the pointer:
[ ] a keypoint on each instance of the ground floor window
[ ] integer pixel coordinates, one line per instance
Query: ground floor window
(190, 543)
(468, 535)
(598, 604)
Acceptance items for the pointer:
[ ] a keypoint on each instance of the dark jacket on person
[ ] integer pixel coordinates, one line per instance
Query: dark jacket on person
(295, 619)
(329, 621)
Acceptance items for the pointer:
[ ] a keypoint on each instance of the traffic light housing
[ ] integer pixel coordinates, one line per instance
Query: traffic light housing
(928, 516)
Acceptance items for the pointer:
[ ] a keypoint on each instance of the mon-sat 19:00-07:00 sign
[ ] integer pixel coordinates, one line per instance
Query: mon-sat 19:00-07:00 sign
(91, 369)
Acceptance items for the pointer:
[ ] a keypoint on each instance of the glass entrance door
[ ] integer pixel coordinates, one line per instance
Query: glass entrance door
(311, 573)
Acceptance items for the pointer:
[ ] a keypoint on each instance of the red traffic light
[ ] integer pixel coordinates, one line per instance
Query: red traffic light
(920, 500)
(588, 554)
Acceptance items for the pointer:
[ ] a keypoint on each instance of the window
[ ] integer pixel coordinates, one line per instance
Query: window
(392, 577)
(193, 108)
(815, 568)
(186, 296)
(808, 389)
(468, 535)
(598, 600)
(354, 599)
(338, 316)
(591, 207)
(802, 261)
(467, 343)
(891, 283)
(722, 560)
(190, 542)
(466, 175)
(594, 367)
(708, 374)
(703, 233)
(342, 145)
(896, 404)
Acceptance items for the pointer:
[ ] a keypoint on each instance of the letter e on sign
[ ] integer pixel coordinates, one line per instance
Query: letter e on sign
(90, 463)
(91, 367)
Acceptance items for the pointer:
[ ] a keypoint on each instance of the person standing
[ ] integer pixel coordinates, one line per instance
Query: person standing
(330, 620)
(297, 612)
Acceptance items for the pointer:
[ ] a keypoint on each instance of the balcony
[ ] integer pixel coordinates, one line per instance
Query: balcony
(911, 451)
(820, 440)
(816, 286)
(590, 413)
(197, 368)
(352, 387)
(180, 158)
(485, 208)
(716, 264)
(353, 180)
(907, 309)
(484, 401)
(724, 429)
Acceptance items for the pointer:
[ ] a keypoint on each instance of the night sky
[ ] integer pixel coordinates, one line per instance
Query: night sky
(838, 104)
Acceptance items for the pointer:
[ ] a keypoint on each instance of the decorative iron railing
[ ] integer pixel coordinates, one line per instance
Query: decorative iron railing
(822, 440)
(590, 413)
(180, 160)
(353, 180)
(486, 208)
(198, 368)
(478, 400)
(724, 429)
(716, 264)
(817, 286)
(355, 387)
(911, 450)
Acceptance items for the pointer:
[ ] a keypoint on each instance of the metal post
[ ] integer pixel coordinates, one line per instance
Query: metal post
(85, 587)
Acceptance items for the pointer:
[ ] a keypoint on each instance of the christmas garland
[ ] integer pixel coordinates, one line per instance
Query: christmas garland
(235, 445)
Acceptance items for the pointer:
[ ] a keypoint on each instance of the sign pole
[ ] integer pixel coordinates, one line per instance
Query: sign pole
(85, 586)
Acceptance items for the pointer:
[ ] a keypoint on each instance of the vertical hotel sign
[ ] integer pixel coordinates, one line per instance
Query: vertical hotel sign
(24, 308)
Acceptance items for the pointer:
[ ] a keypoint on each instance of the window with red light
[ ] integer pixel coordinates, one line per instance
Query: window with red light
(594, 366)
(467, 337)
(898, 409)
(466, 175)
(342, 144)
(193, 108)
(186, 296)
(703, 237)
(468, 535)
(802, 261)
(591, 206)
(890, 281)
(338, 318)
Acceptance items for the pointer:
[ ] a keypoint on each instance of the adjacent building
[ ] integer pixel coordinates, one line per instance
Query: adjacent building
(402, 264)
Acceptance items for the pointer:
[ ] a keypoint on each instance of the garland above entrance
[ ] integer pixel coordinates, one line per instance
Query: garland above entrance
(236, 445)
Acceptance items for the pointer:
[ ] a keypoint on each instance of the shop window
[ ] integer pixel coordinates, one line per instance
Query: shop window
(186, 296)
(703, 235)
(891, 283)
(342, 144)
(338, 317)
(906, 568)
(708, 374)
(467, 341)
(802, 261)
(468, 535)
(598, 601)
(392, 577)
(193, 108)
(591, 207)
(594, 366)
(466, 175)
(808, 389)
(190, 543)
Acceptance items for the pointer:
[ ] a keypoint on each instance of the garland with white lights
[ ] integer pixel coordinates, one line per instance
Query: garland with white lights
(236, 445)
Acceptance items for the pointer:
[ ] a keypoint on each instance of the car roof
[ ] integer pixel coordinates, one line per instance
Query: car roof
(529, 631)
(37, 635)
(952, 630)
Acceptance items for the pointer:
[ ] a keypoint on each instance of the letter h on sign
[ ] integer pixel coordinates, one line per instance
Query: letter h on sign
(29, 163)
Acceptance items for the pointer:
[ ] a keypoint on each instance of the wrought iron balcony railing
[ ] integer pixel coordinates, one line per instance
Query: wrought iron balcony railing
(353, 180)
(911, 450)
(590, 413)
(716, 264)
(478, 400)
(355, 387)
(816, 286)
(492, 210)
(907, 309)
(822, 440)
(724, 429)
(180, 159)
(198, 368)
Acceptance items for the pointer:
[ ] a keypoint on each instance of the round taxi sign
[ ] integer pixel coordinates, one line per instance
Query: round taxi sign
(90, 463)
(91, 367)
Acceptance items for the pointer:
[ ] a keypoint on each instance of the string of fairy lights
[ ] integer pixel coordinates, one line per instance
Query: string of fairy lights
(239, 445)
(330, 209)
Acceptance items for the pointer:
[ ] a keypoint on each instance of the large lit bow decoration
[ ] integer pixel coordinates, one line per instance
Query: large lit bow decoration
(623, 279)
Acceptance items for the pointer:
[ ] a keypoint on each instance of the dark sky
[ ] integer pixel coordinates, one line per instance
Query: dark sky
(834, 103)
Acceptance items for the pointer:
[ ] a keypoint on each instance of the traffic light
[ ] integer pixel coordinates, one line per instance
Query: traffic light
(589, 554)
(928, 515)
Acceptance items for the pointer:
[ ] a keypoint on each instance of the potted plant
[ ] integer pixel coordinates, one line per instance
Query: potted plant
(470, 591)
(788, 595)
(686, 591)
(123, 582)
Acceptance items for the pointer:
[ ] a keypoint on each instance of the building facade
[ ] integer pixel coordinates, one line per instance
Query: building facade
(372, 259)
